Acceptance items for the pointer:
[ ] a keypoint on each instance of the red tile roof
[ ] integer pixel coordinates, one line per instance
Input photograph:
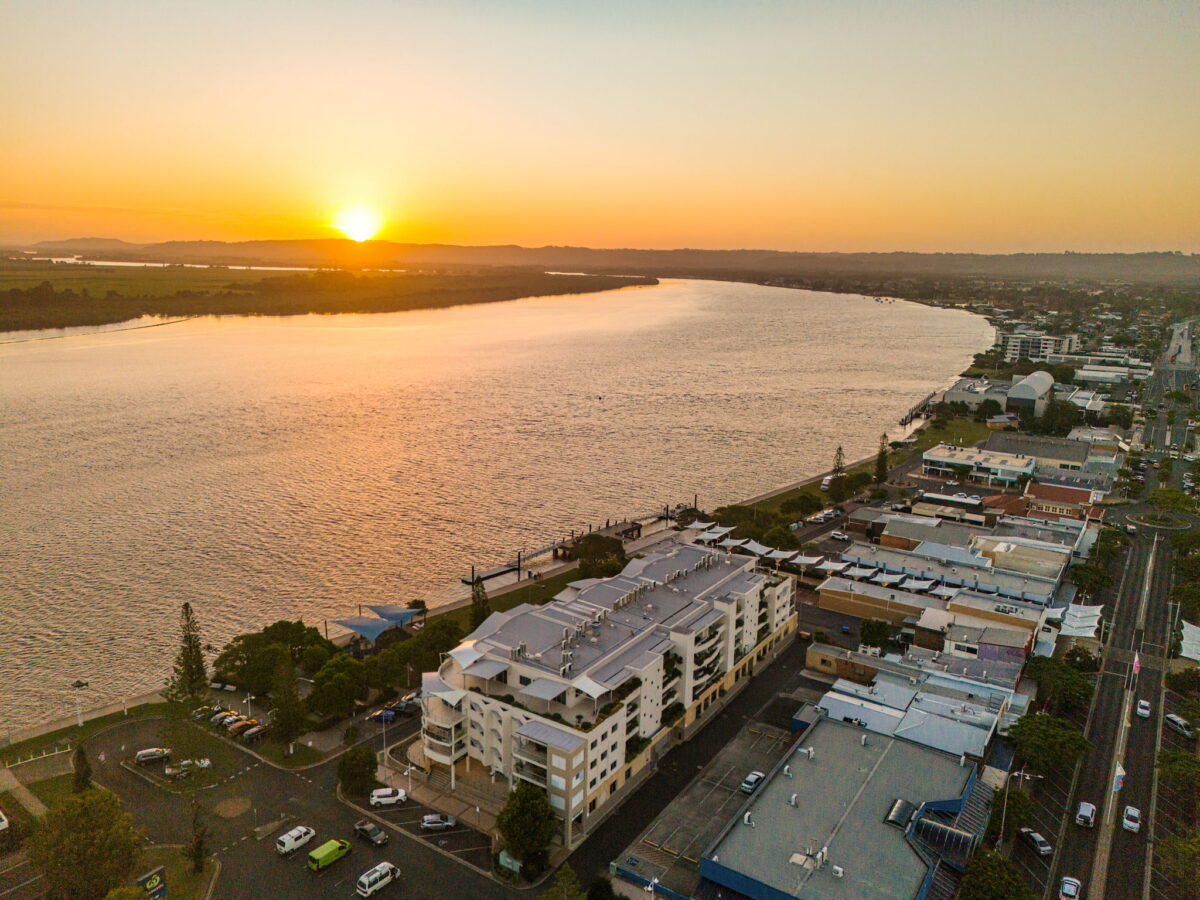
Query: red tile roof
(1058, 493)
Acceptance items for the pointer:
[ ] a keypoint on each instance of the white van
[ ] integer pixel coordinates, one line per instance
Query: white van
(1086, 815)
(1179, 724)
(376, 879)
(826, 482)
(289, 842)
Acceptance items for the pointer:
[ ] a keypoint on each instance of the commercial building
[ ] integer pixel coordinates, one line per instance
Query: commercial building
(850, 815)
(1031, 395)
(987, 466)
(1035, 345)
(574, 696)
(1078, 463)
(1062, 502)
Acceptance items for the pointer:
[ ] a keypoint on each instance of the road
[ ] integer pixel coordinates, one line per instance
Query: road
(1115, 863)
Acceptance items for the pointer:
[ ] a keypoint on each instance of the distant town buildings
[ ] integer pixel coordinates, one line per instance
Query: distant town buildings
(1034, 345)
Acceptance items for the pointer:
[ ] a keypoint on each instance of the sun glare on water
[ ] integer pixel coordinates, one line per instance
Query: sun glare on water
(359, 223)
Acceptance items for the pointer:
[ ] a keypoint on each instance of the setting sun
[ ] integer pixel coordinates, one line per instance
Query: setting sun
(359, 223)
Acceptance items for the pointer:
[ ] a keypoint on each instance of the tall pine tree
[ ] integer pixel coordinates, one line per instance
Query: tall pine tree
(881, 461)
(481, 607)
(189, 679)
(83, 770)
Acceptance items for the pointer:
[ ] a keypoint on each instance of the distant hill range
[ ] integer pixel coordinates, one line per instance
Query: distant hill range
(733, 264)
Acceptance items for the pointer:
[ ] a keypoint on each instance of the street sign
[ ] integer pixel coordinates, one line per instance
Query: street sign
(154, 883)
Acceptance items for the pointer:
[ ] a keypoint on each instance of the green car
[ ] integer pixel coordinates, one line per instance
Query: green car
(327, 854)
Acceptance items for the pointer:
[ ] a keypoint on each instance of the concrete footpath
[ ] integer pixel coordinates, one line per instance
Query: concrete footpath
(22, 794)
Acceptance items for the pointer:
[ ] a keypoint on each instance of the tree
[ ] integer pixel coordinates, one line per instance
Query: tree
(313, 658)
(197, 851)
(837, 482)
(1081, 660)
(1179, 770)
(1180, 862)
(291, 718)
(874, 633)
(1018, 813)
(1059, 418)
(83, 770)
(601, 889)
(356, 770)
(481, 608)
(600, 556)
(988, 409)
(527, 825)
(1090, 579)
(566, 885)
(1059, 683)
(126, 893)
(189, 678)
(881, 460)
(804, 504)
(992, 877)
(85, 846)
(337, 686)
(1046, 743)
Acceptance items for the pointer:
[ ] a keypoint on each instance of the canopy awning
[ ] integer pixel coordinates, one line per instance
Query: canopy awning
(756, 548)
(1190, 646)
(366, 626)
(918, 584)
(433, 686)
(593, 689)
(888, 579)
(806, 560)
(543, 689)
(397, 614)
(860, 572)
(549, 735)
(730, 542)
(943, 591)
(465, 654)
(708, 537)
(703, 526)
(486, 668)
(832, 565)
(783, 555)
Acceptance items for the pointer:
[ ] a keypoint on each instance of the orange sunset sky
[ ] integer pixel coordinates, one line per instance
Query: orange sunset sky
(802, 125)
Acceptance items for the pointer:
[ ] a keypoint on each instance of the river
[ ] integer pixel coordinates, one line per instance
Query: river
(266, 468)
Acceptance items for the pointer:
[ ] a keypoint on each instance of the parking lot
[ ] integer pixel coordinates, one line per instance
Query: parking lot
(1170, 815)
(670, 848)
(462, 840)
(18, 879)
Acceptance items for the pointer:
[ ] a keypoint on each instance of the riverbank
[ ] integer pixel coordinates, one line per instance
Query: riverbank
(89, 303)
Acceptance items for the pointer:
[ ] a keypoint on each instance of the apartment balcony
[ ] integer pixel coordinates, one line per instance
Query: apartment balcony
(445, 755)
(442, 714)
(432, 732)
(532, 774)
(702, 659)
(530, 752)
(708, 639)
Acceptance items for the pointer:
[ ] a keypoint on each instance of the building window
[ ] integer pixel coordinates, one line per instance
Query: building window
(525, 679)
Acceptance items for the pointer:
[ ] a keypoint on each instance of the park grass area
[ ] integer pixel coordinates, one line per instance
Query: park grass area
(52, 791)
(12, 808)
(182, 883)
(142, 281)
(529, 591)
(71, 735)
(304, 755)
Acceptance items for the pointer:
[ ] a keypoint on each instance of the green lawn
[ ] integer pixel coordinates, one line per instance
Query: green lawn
(13, 809)
(52, 790)
(71, 735)
(536, 592)
(181, 883)
(304, 755)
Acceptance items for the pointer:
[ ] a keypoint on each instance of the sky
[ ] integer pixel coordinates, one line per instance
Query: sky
(1006, 126)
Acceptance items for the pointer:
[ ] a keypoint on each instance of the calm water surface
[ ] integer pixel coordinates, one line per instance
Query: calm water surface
(296, 467)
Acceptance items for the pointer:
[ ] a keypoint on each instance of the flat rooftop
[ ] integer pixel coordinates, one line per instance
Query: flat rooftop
(843, 796)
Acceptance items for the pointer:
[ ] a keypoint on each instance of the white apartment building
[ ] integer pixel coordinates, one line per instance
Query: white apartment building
(1034, 345)
(574, 696)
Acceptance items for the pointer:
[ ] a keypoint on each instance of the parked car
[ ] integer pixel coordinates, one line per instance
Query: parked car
(177, 773)
(387, 797)
(1035, 840)
(3, 821)
(751, 782)
(1131, 529)
(376, 879)
(203, 712)
(151, 755)
(1179, 724)
(327, 854)
(291, 841)
(438, 822)
(1143, 709)
(839, 536)
(238, 728)
(223, 717)
(370, 832)
(1086, 815)
(1070, 889)
(1132, 819)
(257, 733)
(406, 707)
(384, 715)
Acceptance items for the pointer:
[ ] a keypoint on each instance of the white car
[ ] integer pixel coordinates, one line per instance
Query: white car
(751, 782)
(1143, 709)
(388, 797)
(1070, 889)
(1132, 820)
(151, 755)
(3, 821)
(376, 879)
(291, 841)
(839, 536)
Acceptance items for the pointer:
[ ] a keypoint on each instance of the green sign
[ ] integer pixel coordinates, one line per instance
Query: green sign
(154, 883)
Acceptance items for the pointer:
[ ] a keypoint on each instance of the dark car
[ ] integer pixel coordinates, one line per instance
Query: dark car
(407, 706)
(1036, 841)
(370, 832)
(385, 715)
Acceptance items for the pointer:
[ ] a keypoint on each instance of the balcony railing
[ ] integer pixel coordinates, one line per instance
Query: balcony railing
(442, 735)
(441, 714)
(530, 751)
(533, 774)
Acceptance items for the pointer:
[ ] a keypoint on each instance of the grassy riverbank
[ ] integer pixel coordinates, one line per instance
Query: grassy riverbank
(86, 300)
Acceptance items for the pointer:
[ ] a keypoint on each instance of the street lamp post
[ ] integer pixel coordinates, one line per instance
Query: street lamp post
(77, 687)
